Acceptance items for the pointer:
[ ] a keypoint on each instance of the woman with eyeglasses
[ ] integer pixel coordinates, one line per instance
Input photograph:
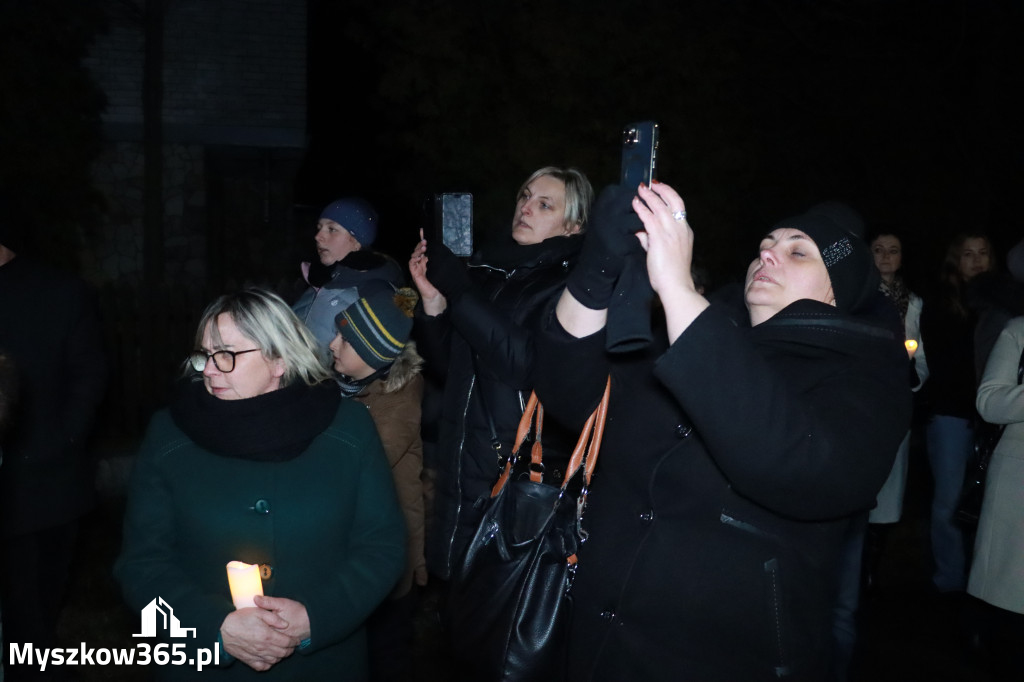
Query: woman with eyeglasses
(259, 460)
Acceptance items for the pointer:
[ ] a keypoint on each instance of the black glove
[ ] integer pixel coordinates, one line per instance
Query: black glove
(445, 271)
(609, 239)
(629, 311)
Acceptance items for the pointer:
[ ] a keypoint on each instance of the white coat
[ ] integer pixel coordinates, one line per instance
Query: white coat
(997, 574)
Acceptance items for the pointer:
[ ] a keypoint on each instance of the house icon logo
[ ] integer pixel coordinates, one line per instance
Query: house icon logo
(159, 613)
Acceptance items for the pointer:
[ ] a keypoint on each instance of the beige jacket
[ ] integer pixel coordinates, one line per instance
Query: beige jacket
(394, 404)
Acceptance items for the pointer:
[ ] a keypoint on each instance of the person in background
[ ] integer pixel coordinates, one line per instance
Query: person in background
(475, 328)
(380, 368)
(729, 469)
(259, 460)
(50, 330)
(8, 397)
(887, 249)
(947, 331)
(995, 576)
(346, 267)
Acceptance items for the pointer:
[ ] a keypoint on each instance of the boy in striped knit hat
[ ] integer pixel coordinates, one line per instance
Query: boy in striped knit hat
(378, 365)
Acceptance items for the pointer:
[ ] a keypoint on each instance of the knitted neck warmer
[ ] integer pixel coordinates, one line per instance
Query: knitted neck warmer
(273, 427)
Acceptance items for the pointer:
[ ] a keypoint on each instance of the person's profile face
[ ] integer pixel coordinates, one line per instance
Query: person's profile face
(253, 374)
(974, 258)
(540, 212)
(347, 361)
(789, 268)
(333, 242)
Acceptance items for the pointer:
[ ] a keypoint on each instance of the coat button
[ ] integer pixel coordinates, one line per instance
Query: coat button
(683, 430)
(261, 507)
(607, 615)
(647, 516)
(266, 571)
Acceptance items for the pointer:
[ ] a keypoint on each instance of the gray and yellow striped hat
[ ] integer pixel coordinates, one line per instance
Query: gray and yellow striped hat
(377, 326)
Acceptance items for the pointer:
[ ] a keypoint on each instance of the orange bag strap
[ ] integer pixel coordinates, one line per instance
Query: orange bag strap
(584, 454)
(525, 424)
(589, 445)
(536, 452)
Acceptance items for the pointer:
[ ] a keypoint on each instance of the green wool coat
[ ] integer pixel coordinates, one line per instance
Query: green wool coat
(326, 524)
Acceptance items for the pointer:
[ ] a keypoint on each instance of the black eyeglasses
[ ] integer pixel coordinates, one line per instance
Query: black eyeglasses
(224, 360)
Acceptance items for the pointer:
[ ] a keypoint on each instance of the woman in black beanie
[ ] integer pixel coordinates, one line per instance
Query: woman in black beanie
(738, 445)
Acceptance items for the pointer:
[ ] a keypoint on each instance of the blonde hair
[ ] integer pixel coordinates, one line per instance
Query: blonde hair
(579, 194)
(264, 317)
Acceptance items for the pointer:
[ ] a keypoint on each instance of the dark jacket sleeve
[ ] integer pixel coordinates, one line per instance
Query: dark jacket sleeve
(502, 346)
(376, 554)
(810, 454)
(149, 564)
(433, 335)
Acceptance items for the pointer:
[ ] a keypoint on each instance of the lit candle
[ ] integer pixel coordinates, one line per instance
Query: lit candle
(911, 345)
(244, 581)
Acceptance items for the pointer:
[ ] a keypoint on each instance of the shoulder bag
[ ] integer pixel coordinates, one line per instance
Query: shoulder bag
(509, 598)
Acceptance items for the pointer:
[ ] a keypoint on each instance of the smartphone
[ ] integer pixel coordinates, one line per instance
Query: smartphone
(453, 221)
(639, 153)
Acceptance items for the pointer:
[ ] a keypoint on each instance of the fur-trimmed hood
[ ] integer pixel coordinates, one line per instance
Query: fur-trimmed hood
(408, 365)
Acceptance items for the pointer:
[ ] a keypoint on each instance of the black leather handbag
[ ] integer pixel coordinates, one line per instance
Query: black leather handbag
(509, 599)
(986, 438)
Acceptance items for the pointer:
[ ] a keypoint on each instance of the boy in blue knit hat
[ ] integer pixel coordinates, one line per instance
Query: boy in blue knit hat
(346, 268)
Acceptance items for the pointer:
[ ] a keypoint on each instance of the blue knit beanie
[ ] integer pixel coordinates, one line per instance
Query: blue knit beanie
(355, 215)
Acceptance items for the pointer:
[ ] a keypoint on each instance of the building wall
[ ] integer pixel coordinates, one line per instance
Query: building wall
(234, 82)
(233, 129)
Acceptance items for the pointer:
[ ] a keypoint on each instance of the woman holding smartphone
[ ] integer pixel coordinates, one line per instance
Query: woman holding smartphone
(475, 328)
(738, 445)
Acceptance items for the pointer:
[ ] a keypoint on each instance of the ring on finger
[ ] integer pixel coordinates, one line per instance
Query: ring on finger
(679, 216)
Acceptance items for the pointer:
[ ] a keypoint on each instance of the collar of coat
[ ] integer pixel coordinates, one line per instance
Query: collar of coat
(506, 254)
(273, 427)
(808, 328)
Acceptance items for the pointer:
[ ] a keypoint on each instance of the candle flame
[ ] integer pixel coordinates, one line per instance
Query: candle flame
(911, 345)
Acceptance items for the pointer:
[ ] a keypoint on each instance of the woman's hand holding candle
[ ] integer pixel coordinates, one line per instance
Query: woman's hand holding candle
(256, 637)
(291, 611)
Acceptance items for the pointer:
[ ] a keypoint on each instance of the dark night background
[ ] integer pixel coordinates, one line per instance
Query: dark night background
(906, 109)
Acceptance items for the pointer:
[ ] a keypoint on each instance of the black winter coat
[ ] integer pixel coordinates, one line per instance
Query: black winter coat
(730, 464)
(49, 326)
(482, 348)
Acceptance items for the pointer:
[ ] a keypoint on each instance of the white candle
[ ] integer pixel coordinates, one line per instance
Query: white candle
(244, 581)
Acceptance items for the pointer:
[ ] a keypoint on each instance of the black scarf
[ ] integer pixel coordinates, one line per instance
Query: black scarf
(361, 261)
(808, 329)
(507, 254)
(273, 427)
